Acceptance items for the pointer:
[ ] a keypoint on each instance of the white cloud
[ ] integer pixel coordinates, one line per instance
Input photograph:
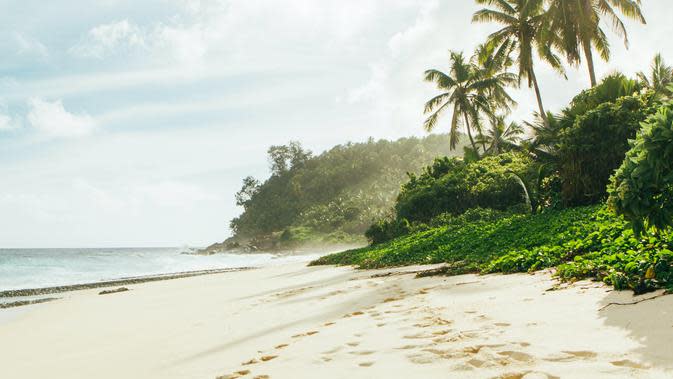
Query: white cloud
(29, 46)
(174, 194)
(421, 29)
(7, 123)
(53, 120)
(109, 39)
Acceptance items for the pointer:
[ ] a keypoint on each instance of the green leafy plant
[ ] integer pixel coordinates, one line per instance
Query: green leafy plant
(582, 242)
(642, 188)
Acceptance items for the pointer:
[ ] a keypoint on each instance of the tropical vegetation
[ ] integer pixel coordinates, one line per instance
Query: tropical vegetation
(587, 190)
(330, 198)
(590, 192)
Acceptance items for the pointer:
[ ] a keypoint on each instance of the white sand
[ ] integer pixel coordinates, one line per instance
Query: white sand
(341, 323)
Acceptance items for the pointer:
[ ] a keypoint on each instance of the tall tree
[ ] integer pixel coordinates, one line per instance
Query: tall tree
(465, 89)
(578, 25)
(492, 62)
(523, 28)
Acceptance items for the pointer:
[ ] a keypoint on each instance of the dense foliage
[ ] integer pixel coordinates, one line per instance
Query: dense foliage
(341, 191)
(594, 146)
(454, 186)
(642, 188)
(584, 242)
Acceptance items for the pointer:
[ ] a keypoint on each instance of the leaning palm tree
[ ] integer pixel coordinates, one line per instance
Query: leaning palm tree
(502, 137)
(464, 90)
(578, 26)
(523, 28)
(660, 77)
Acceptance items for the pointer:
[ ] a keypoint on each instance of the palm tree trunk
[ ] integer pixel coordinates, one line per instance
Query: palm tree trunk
(469, 133)
(590, 62)
(586, 41)
(543, 113)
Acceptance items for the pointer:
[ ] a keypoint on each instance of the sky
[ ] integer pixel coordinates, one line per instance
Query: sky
(132, 123)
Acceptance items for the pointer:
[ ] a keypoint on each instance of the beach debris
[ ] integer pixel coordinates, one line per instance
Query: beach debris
(107, 292)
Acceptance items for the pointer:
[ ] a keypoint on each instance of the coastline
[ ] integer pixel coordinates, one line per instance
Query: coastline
(114, 282)
(293, 321)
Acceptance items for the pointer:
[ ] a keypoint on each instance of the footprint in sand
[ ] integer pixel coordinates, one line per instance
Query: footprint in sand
(527, 375)
(235, 375)
(262, 377)
(267, 358)
(421, 359)
(328, 324)
(502, 324)
(477, 363)
(629, 364)
(366, 364)
(406, 347)
(416, 336)
(569, 356)
(582, 354)
(517, 356)
(281, 346)
(366, 352)
(353, 344)
(332, 351)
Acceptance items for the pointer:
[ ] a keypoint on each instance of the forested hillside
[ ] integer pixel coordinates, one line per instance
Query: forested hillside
(330, 198)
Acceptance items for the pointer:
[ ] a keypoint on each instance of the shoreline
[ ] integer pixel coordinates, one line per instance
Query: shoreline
(294, 321)
(29, 292)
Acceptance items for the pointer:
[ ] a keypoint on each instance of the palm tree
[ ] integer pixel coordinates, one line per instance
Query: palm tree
(661, 76)
(544, 143)
(501, 136)
(577, 24)
(523, 22)
(495, 64)
(464, 89)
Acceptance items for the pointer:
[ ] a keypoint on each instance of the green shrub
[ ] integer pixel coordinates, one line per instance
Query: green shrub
(595, 145)
(642, 188)
(386, 230)
(453, 186)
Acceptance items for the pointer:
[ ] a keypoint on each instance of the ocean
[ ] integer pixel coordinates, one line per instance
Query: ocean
(38, 268)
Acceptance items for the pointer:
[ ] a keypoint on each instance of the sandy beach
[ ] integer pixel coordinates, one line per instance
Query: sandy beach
(294, 321)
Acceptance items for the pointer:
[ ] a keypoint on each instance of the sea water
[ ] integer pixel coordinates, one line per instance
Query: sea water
(37, 268)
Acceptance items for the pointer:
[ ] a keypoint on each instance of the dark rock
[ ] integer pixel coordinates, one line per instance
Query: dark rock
(107, 292)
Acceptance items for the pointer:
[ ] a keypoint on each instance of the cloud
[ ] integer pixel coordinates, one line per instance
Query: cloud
(109, 39)
(7, 123)
(51, 119)
(28, 46)
(174, 194)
